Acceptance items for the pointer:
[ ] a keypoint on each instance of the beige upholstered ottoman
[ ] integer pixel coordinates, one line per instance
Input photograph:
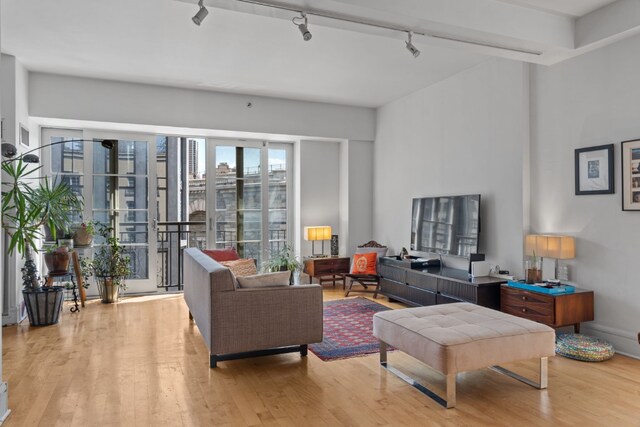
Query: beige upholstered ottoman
(460, 337)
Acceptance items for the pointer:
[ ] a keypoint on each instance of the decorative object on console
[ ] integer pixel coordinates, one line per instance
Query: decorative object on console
(322, 233)
(348, 329)
(335, 247)
(583, 348)
(631, 175)
(540, 246)
(404, 253)
(594, 170)
(533, 269)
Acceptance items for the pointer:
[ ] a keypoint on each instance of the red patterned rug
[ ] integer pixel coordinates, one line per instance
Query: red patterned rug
(348, 329)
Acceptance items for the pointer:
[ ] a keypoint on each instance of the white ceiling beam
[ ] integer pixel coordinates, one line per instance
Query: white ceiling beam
(480, 18)
(608, 24)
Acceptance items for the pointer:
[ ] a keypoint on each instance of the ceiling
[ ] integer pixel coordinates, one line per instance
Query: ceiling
(256, 50)
(568, 7)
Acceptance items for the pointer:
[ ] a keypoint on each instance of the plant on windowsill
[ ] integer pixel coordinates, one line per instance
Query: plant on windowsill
(25, 209)
(283, 260)
(83, 233)
(110, 266)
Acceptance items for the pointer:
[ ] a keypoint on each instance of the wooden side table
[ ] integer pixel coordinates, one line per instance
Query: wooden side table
(327, 270)
(552, 310)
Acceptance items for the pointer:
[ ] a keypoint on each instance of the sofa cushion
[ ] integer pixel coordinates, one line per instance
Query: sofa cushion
(226, 254)
(266, 280)
(241, 267)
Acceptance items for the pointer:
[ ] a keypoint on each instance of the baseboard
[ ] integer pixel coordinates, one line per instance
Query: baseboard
(624, 342)
(4, 402)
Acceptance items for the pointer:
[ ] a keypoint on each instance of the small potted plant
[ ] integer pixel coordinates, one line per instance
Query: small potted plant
(83, 233)
(110, 266)
(57, 259)
(284, 260)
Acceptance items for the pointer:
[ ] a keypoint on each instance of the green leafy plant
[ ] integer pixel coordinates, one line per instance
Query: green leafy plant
(110, 259)
(89, 226)
(284, 259)
(26, 208)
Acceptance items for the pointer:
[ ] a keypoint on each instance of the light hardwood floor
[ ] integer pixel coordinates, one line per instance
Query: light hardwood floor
(143, 363)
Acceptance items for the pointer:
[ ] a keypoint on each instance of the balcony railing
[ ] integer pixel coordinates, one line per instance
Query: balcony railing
(175, 236)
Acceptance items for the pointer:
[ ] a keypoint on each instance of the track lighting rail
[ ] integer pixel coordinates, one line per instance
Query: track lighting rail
(378, 24)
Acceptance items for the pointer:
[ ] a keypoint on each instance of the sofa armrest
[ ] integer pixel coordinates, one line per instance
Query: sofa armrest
(261, 318)
(204, 278)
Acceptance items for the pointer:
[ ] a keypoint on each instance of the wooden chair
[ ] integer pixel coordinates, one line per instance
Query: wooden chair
(365, 280)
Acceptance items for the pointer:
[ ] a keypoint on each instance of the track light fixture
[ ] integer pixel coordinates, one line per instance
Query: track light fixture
(304, 29)
(202, 13)
(410, 47)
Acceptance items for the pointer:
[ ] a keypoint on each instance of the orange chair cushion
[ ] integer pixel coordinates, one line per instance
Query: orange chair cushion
(365, 263)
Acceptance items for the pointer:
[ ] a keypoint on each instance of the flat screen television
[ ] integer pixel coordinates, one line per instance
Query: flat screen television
(448, 225)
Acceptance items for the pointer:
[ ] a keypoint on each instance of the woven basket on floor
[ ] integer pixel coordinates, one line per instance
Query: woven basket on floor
(583, 347)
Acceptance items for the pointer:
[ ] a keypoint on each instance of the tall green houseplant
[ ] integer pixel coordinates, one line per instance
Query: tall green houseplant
(26, 208)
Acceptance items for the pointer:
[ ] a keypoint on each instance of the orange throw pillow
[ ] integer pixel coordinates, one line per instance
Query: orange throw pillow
(365, 263)
(241, 267)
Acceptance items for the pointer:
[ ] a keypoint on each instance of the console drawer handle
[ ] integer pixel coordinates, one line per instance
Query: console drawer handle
(524, 298)
(524, 310)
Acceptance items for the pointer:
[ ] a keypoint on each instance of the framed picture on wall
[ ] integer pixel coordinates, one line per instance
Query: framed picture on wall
(631, 175)
(594, 170)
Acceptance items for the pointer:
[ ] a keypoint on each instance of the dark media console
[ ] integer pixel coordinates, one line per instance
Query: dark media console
(435, 285)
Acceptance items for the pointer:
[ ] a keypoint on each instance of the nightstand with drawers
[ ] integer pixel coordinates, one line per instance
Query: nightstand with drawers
(552, 310)
(328, 269)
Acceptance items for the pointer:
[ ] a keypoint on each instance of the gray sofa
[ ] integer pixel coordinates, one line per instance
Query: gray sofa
(236, 322)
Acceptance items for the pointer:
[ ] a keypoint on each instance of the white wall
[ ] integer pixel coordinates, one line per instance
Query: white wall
(356, 195)
(360, 198)
(66, 97)
(4, 407)
(319, 200)
(14, 80)
(590, 100)
(466, 134)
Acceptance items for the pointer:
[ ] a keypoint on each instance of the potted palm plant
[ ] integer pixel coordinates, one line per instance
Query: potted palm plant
(25, 209)
(283, 260)
(110, 266)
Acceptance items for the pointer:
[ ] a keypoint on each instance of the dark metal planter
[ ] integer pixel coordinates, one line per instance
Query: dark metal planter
(44, 305)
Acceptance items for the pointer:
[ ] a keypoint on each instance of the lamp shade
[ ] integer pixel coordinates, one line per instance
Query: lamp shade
(561, 247)
(550, 246)
(319, 232)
